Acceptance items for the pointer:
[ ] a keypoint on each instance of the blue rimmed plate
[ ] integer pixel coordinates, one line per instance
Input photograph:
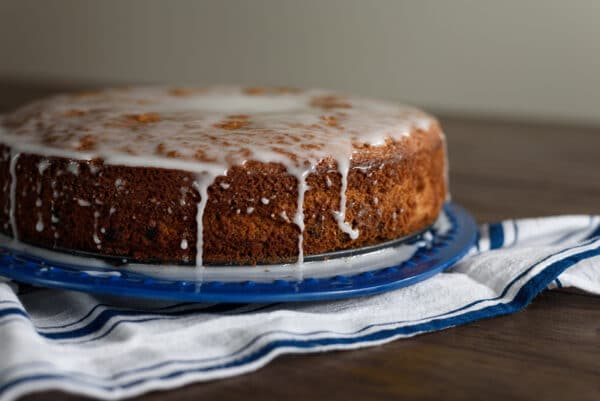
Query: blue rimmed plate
(373, 270)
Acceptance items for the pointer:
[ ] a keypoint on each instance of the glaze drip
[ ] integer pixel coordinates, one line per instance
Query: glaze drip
(340, 216)
(14, 158)
(201, 185)
(299, 215)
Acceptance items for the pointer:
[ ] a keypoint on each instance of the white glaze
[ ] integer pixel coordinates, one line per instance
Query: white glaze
(43, 165)
(95, 236)
(73, 168)
(299, 215)
(83, 202)
(340, 216)
(201, 184)
(39, 226)
(210, 130)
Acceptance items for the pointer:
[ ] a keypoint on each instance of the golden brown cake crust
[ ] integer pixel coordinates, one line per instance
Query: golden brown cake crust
(150, 214)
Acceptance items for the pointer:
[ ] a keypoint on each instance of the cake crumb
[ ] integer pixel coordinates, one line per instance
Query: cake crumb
(73, 168)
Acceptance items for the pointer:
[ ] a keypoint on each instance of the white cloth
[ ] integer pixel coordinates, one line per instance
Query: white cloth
(112, 349)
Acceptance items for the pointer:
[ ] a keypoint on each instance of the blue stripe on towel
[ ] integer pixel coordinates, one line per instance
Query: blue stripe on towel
(151, 319)
(13, 312)
(106, 315)
(149, 310)
(98, 323)
(496, 235)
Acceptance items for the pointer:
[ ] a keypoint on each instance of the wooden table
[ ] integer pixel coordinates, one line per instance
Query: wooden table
(549, 351)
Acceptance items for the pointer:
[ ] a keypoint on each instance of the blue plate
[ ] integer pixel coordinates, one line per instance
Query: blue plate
(441, 252)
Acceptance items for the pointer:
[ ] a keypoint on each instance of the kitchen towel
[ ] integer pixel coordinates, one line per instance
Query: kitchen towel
(116, 348)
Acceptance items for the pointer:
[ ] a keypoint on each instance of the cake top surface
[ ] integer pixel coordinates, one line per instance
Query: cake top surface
(206, 128)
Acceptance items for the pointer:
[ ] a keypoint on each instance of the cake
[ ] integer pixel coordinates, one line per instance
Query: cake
(222, 175)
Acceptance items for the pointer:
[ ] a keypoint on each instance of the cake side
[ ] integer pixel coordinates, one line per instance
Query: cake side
(149, 214)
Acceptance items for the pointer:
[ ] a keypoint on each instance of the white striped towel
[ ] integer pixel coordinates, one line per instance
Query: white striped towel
(112, 349)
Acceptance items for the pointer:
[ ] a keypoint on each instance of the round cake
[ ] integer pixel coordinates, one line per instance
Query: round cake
(217, 176)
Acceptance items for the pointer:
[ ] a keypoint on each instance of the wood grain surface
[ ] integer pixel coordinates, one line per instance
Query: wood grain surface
(550, 351)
